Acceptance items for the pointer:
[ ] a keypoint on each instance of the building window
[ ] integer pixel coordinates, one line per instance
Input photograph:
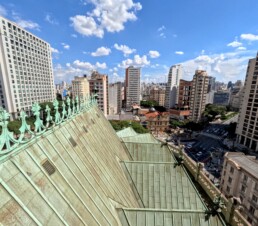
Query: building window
(254, 198)
(230, 180)
(228, 189)
(243, 189)
(231, 170)
(245, 178)
(251, 210)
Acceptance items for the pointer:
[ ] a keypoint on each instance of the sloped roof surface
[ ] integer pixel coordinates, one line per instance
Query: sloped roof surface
(127, 132)
(141, 138)
(153, 152)
(81, 173)
(166, 218)
(161, 186)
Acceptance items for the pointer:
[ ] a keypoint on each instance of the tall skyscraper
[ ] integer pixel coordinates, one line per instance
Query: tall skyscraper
(198, 94)
(100, 82)
(80, 87)
(174, 76)
(26, 73)
(247, 126)
(132, 86)
(115, 100)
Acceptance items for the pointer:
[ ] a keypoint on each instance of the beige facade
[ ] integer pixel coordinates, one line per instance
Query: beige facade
(157, 122)
(80, 87)
(239, 179)
(100, 82)
(26, 73)
(198, 94)
(158, 94)
(247, 126)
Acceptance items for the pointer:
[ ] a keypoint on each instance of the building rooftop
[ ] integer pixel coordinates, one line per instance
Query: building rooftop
(246, 162)
(75, 170)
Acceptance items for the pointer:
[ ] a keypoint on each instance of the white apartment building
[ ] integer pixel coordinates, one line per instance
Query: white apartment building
(247, 127)
(198, 94)
(171, 95)
(239, 179)
(26, 73)
(114, 95)
(132, 86)
(80, 87)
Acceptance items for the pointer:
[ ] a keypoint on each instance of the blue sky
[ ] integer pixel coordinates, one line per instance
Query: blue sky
(109, 35)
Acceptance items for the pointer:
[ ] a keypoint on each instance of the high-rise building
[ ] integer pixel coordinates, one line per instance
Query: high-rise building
(198, 94)
(99, 82)
(239, 179)
(247, 126)
(174, 75)
(132, 86)
(80, 87)
(221, 97)
(184, 94)
(210, 91)
(115, 100)
(158, 94)
(26, 73)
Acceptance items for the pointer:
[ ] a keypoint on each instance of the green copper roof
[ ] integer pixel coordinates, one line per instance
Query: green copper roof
(141, 138)
(127, 132)
(145, 217)
(161, 186)
(150, 152)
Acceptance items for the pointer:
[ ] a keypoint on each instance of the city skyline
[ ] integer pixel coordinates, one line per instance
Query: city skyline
(88, 35)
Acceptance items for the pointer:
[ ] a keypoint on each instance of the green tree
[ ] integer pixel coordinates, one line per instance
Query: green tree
(119, 125)
(148, 103)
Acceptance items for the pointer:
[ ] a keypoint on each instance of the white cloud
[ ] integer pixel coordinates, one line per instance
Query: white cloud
(136, 61)
(125, 49)
(50, 20)
(88, 66)
(234, 44)
(53, 50)
(161, 28)
(66, 46)
(241, 48)
(27, 24)
(249, 37)
(109, 15)
(154, 54)
(101, 66)
(86, 26)
(161, 31)
(179, 52)
(101, 51)
(74, 35)
(3, 11)
(225, 66)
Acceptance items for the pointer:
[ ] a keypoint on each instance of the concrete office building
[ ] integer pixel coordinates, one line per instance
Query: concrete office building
(115, 100)
(174, 76)
(198, 94)
(100, 83)
(80, 87)
(26, 73)
(239, 179)
(247, 126)
(132, 86)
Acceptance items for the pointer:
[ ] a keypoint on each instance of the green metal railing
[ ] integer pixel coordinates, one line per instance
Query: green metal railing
(10, 141)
